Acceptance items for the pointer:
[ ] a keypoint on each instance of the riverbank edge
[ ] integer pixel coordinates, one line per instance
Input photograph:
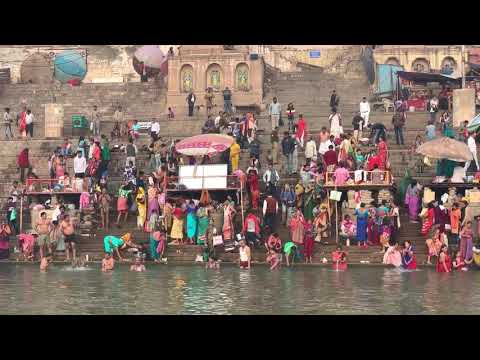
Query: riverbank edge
(185, 263)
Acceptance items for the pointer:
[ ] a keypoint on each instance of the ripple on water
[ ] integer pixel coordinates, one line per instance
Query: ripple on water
(194, 290)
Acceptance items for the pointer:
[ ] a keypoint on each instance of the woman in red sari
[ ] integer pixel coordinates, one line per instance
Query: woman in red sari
(297, 228)
(372, 228)
(382, 154)
(428, 220)
(253, 188)
(301, 133)
(228, 213)
(444, 263)
(22, 126)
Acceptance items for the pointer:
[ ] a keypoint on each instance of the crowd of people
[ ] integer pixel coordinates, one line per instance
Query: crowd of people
(333, 157)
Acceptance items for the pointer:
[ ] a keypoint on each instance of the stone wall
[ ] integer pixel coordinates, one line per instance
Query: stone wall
(105, 63)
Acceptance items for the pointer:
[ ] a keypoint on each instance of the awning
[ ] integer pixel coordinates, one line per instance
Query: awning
(424, 78)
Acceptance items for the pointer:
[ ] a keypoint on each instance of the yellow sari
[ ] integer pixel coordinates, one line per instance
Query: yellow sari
(141, 206)
(234, 156)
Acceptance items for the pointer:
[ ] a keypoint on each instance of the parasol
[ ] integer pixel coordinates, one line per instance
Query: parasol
(446, 148)
(154, 60)
(205, 144)
(151, 55)
(474, 124)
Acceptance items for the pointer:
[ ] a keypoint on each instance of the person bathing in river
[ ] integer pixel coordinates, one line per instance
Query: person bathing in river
(339, 258)
(273, 259)
(245, 255)
(393, 256)
(45, 262)
(290, 249)
(108, 262)
(408, 257)
(112, 243)
(444, 263)
(138, 266)
(458, 263)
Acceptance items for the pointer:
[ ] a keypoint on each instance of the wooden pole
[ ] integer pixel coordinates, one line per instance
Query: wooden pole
(241, 201)
(21, 213)
(336, 219)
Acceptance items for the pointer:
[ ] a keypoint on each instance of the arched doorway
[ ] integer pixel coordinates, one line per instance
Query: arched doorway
(242, 77)
(186, 78)
(449, 65)
(214, 77)
(421, 65)
(392, 61)
(37, 69)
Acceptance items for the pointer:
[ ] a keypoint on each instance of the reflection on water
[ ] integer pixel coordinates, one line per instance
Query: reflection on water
(194, 290)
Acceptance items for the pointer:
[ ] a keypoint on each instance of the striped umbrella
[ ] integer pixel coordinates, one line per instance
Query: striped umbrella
(474, 124)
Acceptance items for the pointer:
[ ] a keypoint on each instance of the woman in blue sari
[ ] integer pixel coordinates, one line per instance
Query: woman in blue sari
(191, 222)
(362, 220)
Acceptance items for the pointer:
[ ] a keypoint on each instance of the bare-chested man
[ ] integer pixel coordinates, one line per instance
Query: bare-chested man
(68, 231)
(43, 227)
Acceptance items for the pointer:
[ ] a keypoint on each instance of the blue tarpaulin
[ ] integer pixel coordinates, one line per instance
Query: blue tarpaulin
(69, 65)
(387, 77)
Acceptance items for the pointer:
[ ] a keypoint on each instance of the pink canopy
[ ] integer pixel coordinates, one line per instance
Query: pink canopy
(206, 144)
(151, 55)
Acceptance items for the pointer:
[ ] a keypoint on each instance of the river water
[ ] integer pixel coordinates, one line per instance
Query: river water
(193, 290)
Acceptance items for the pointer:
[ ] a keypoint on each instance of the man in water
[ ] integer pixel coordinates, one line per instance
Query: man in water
(68, 230)
(245, 255)
(108, 262)
(138, 266)
(43, 227)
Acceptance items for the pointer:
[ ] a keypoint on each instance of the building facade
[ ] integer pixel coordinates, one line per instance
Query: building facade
(198, 67)
(420, 58)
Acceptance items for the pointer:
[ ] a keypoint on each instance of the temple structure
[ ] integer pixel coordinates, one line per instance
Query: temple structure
(198, 67)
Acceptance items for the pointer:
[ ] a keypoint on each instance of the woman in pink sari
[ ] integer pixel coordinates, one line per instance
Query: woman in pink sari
(382, 154)
(297, 228)
(228, 213)
(412, 200)
(393, 256)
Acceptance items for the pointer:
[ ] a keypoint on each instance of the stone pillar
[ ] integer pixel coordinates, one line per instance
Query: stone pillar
(463, 105)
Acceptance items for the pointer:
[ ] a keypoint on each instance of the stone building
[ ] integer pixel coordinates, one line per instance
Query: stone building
(197, 67)
(421, 58)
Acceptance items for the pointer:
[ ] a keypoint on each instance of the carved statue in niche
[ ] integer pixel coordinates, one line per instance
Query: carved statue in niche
(187, 80)
(242, 78)
(215, 79)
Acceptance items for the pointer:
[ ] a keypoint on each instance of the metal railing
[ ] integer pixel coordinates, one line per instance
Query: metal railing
(380, 177)
(46, 186)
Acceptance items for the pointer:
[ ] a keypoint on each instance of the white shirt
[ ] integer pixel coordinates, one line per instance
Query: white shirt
(310, 149)
(323, 148)
(56, 213)
(29, 119)
(364, 107)
(79, 165)
(471, 144)
(155, 127)
(217, 121)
